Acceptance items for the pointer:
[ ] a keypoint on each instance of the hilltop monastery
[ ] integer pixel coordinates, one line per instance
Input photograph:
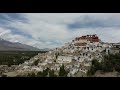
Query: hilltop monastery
(76, 56)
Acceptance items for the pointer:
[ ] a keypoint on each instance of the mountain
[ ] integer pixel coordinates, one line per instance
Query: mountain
(45, 49)
(15, 46)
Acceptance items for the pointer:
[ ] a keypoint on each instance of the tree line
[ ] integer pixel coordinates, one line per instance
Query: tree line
(13, 58)
(48, 73)
(110, 63)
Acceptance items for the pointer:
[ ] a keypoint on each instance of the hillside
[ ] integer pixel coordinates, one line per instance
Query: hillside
(11, 46)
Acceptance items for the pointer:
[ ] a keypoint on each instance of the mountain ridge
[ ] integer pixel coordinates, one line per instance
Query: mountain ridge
(15, 46)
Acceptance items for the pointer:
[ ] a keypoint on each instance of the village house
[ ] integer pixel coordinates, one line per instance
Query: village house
(112, 50)
(35, 68)
(73, 71)
(64, 59)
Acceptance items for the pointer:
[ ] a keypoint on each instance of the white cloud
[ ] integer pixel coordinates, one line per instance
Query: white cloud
(49, 30)
(3, 32)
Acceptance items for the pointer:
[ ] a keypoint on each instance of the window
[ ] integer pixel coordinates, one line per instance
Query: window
(90, 56)
(83, 54)
(88, 48)
(108, 51)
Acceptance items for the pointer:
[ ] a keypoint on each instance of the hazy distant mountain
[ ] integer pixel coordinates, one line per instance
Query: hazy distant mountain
(45, 49)
(15, 46)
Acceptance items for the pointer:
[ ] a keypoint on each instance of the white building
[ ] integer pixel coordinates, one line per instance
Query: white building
(26, 62)
(25, 67)
(37, 68)
(73, 71)
(64, 59)
(83, 70)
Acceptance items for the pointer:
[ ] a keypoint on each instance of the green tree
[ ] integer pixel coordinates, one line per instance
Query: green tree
(117, 67)
(63, 72)
(4, 75)
(33, 74)
(39, 74)
(9, 65)
(91, 71)
(45, 72)
(110, 63)
(52, 74)
(54, 60)
(36, 62)
(56, 56)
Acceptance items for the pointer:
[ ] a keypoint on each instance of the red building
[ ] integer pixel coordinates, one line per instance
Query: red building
(80, 44)
(91, 38)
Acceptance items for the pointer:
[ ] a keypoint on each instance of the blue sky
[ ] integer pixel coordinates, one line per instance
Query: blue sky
(50, 30)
